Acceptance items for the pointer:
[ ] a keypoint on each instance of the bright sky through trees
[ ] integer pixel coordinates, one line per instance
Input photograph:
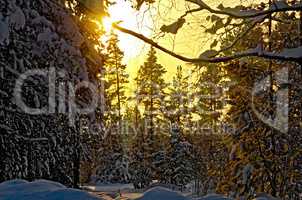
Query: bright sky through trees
(123, 12)
(147, 21)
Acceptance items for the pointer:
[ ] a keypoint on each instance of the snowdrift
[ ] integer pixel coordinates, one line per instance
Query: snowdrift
(40, 190)
(160, 193)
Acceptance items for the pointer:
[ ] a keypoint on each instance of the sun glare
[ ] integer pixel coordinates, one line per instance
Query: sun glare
(127, 17)
(107, 23)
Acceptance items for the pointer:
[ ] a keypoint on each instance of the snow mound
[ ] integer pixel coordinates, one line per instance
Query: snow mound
(214, 197)
(40, 190)
(160, 193)
(12, 183)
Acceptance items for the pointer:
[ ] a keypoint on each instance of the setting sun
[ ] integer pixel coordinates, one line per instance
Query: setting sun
(107, 23)
(123, 13)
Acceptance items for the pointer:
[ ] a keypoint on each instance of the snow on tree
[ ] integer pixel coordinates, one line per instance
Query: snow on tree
(141, 172)
(150, 91)
(222, 17)
(149, 94)
(256, 147)
(116, 79)
(115, 169)
(41, 35)
(161, 163)
(113, 164)
(247, 37)
(180, 159)
(140, 169)
(177, 102)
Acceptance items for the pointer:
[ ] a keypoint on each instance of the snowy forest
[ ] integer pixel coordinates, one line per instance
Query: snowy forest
(169, 122)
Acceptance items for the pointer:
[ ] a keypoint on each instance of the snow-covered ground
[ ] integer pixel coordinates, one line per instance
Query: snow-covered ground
(213, 197)
(127, 191)
(109, 187)
(48, 190)
(40, 190)
(162, 193)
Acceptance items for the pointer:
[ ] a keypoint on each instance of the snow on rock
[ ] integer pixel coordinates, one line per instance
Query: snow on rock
(40, 190)
(160, 193)
(214, 197)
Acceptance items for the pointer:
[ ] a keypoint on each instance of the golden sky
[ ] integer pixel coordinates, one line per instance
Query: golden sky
(190, 40)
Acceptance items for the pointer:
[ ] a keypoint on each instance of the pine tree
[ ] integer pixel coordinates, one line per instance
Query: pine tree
(113, 166)
(116, 79)
(149, 94)
(177, 103)
(181, 162)
(47, 145)
(257, 150)
(209, 91)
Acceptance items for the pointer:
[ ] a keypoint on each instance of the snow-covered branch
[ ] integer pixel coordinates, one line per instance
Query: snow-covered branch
(278, 6)
(241, 36)
(294, 54)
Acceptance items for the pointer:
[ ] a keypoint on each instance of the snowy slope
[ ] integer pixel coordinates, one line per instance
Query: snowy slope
(160, 193)
(40, 190)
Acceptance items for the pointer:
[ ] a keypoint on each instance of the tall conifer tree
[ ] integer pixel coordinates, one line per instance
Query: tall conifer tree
(113, 157)
(149, 95)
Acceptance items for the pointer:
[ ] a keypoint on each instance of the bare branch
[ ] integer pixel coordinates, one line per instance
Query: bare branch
(294, 55)
(244, 14)
(191, 11)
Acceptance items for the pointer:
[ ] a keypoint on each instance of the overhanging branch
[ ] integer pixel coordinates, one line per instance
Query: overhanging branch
(287, 55)
(244, 14)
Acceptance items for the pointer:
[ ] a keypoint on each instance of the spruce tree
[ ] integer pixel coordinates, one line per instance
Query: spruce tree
(113, 160)
(258, 151)
(116, 79)
(43, 35)
(181, 160)
(209, 92)
(177, 103)
(149, 95)
(150, 92)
